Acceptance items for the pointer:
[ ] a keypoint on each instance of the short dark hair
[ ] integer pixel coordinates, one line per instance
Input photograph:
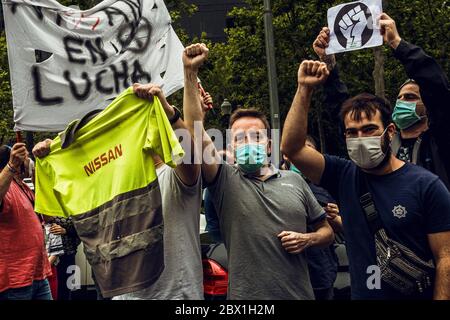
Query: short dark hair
(5, 152)
(368, 104)
(311, 140)
(408, 81)
(250, 113)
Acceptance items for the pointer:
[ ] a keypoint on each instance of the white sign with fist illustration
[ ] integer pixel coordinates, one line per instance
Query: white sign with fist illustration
(354, 26)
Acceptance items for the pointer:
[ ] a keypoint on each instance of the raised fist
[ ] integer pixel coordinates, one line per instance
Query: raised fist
(352, 26)
(195, 55)
(312, 73)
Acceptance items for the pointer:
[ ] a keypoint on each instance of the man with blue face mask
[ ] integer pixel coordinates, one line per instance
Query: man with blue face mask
(403, 202)
(422, 109)
(424, 138)
(263, 211)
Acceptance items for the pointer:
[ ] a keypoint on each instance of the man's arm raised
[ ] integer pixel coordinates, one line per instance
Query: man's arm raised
(308, 160)
(193, 58)
(187, 171)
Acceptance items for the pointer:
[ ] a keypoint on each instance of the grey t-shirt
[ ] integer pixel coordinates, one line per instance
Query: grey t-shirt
(252, 213)
(182, 278)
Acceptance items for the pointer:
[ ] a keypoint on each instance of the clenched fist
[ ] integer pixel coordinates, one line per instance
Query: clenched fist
(294, 242)
(312, 73)
(194, 56)
(352, 26)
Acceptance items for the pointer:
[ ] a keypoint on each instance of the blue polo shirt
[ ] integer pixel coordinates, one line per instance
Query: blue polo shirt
(412, 203)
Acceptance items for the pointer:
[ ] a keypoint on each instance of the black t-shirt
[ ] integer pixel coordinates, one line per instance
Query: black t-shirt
(322, 262)
(412, 203)
(406, 149)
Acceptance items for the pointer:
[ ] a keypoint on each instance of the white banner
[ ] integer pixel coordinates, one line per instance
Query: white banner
(65, 62)
(354, 26)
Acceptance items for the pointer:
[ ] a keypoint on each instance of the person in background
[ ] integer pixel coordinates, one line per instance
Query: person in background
(263, 211)
(54, 246)
(322, 262)
(182, 277)
(24, 266)
(212, 220)
(411, 205)
(70, 240)
(422, 109)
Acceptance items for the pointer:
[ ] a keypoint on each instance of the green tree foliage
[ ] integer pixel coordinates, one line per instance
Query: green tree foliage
(6, 111)
(237, 69)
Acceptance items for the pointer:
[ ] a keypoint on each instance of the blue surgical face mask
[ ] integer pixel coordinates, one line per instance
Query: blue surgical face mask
(404, 115)
(251, 157)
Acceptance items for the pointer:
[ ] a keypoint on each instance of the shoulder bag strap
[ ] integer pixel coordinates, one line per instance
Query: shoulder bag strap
(367, 203)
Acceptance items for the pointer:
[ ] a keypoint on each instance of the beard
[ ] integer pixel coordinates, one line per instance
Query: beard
(386, 147)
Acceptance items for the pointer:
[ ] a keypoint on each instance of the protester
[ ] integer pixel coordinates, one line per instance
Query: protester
(322, 262)
(212, 220)
(421, 111)
(182, 277)
(70, 241)
(54, 246)
(24, 268)
(380, 196)
(263, 212)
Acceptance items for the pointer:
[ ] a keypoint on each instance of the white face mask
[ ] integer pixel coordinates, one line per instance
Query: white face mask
(366, 152)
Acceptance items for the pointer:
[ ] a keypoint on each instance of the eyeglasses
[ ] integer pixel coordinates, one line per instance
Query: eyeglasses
(251, 136)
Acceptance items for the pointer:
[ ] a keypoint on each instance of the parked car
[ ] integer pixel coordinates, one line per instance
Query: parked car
(215, 273)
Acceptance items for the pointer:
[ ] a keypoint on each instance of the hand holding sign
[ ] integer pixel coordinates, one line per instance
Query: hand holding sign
(389, 31)
(352, 26)
(321, 43)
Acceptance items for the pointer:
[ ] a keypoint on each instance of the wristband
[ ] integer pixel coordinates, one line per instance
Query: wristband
(176, 116)
(11, 169)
